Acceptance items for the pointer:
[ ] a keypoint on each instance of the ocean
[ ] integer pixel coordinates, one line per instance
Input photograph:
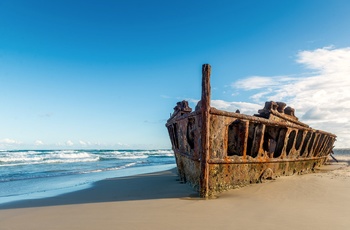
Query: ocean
(32, 174)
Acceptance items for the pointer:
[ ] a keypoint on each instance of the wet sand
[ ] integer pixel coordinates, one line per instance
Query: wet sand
(159, 201)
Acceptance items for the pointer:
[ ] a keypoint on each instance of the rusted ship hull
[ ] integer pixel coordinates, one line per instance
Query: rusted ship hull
(217, 150)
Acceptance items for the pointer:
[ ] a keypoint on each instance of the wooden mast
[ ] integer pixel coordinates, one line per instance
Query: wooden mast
(205, 101)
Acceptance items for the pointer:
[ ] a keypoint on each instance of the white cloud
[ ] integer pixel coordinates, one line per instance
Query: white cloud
(83, 143)
(9, 141)
(327, 60)
(38, 143)
(87, 143)
(69, 143)
(321, 98)
(122, 145)
(256, 82)
(269, 85)
(243, 107)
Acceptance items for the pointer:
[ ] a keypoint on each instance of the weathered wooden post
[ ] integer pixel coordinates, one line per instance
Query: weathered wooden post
(205, 101)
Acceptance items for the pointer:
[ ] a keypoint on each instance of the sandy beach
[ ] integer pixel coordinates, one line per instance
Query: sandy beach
(159, 201)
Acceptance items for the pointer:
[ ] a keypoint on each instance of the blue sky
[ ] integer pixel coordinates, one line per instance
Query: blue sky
(106, 74)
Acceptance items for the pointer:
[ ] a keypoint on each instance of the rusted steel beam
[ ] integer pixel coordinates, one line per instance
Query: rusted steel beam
(244, 137)
(265, 121)
(288, 119)
(268, 160)
(184, 116)
(258, 140)
(205, 100)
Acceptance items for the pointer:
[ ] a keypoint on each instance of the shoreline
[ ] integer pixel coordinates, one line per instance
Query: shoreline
(77, 182)
(159, 201)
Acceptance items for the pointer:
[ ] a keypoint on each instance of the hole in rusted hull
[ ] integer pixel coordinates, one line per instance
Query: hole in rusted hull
(290, 142)
(190, 132)
(250, 151)
(269, 145)
(306, 141)
(280, 142)
(311, 143)
(254, 139)
(176, 141)
(299, 139)
(235, 138)
(319, 145)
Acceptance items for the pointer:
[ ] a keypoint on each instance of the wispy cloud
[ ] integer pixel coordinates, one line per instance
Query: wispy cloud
(243, 107)
(326, 60)
(91, 145)
(9, 143)
(258, 82)
(69, 143)
(321, 96)
(269, 85)
(38, 143)
(84, 143)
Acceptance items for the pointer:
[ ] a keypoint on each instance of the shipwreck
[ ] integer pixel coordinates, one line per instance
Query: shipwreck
(217, 150)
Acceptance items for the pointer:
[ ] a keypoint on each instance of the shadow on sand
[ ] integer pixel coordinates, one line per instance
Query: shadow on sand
(160, 185)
